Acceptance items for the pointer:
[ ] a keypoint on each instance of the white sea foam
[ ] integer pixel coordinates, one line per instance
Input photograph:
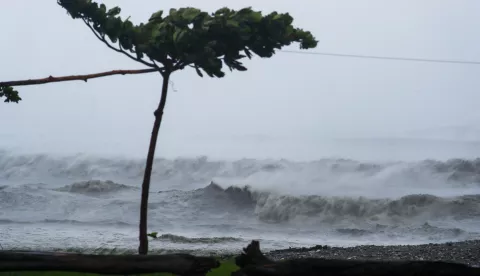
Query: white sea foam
(50, 202)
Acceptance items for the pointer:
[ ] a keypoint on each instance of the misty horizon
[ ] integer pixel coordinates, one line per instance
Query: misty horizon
(277, 105)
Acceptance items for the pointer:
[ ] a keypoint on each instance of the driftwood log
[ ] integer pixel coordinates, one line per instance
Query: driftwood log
(178, 264)
(253, 263)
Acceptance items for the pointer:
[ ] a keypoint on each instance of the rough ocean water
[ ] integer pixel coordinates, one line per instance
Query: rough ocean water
(49, 202)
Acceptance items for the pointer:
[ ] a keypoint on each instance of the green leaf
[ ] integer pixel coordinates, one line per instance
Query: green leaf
(189, 14)
(10, 94)
(222, 11)
(198, 71)
(219, 74)
(103, 8)
(289, 31)
(244, 11)
(138, 53)
(178, 35)
(112, 29)
(215, 62)
(114, 11)
(126, 44)
(248, 53)
(127, 25)
(233, 23)
(277, 17)
(256, 16)
(240, 67)
(153, 235)
(156, 16)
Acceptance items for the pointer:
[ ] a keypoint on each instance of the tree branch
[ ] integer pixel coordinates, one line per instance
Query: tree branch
(115, 49)
(75, 77)
(160, 69)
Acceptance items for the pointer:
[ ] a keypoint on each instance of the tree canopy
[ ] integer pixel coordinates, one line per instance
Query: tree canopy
(188, 37)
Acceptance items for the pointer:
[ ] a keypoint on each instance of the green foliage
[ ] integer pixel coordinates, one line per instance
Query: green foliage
(191, 37)
(153, 235)
(226, 268)
(188, 37)
(10, 94)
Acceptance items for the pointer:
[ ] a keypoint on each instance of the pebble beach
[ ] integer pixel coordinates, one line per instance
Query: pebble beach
(465, 252)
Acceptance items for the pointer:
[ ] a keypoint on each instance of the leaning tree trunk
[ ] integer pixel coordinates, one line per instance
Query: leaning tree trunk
(143, 238)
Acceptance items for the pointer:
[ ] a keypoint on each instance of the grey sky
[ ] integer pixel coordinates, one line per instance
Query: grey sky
(289, 97)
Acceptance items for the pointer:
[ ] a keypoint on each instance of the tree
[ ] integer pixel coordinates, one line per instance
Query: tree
(186, 37)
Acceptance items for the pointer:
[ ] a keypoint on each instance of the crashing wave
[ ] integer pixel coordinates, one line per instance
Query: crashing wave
(182, 173)
(182, 239)
(278, 208)
(94, 187)
(274, 207)
(234, 193)
(65, 222)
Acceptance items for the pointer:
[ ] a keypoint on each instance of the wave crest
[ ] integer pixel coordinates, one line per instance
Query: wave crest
(186, 173)
(279, 208)
(94, 187)
(182, 239)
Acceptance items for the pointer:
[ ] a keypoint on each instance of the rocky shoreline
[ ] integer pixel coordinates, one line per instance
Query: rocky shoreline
(466, 252)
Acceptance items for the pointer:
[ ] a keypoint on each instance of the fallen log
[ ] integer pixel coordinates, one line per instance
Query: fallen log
(253, 263)
(178, 264)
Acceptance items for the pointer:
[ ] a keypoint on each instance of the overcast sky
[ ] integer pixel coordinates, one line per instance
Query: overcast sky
(291, 98)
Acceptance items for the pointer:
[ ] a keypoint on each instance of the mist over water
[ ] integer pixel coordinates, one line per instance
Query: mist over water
(171, 146)
(204, 203)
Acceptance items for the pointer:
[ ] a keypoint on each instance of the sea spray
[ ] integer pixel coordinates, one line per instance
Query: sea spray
(52, 202)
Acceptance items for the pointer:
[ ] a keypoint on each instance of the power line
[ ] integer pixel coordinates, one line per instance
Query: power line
(383, 57)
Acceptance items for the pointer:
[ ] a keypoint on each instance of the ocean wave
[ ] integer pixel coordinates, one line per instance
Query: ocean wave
(426, 229)
(354, 232)
(234, 195)
(65, 222)
(94, 187)
(187, 173)
(79, 200)
(207, 240)
(265, 199)
(431, 231)
(272, 207)
(245, 211)
(275, 208)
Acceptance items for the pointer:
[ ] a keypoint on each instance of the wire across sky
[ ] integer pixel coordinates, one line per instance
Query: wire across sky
(384, 57)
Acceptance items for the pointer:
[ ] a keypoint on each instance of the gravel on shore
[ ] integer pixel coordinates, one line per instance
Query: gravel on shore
(466, 252)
